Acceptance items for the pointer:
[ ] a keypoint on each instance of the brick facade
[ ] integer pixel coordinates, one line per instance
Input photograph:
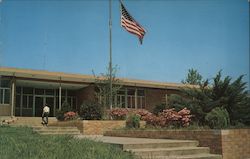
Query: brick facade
(85, 94)
(156, 97)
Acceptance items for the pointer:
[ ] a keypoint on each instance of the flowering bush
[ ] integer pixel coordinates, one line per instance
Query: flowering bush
(121, 113)
(70, 115)
(169, 117)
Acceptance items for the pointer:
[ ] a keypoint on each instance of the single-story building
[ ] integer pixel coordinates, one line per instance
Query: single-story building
(23, 92)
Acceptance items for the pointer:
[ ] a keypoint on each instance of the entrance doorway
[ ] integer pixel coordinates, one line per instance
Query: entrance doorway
(38, 106)
(40, 101)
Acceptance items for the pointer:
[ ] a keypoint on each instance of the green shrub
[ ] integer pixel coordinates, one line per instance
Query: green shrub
(218, 118)
(91, 111)
(133, 121)
(159, 108)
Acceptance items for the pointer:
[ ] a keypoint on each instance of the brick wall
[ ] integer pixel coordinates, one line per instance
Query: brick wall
(236, 144)
(232, 144)
(5, 110)
(98, 127)
(85, 94)
(157, 96)
(94, 127)
(154, 97)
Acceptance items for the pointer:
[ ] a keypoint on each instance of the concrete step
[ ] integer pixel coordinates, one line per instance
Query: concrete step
(60, 133)
(56, 130)
(197, 156)
(32, 121)
(145, 148)
(176, 151)
(166, 144)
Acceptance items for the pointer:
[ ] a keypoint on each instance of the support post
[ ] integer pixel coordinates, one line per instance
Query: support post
(12, 97)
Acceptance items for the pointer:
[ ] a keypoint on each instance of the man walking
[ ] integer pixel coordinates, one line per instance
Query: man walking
(45, 115)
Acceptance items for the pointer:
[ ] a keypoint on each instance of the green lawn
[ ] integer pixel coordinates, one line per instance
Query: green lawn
(22, 143)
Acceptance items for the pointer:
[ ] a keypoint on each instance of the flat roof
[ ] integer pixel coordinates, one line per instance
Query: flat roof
(82, 79)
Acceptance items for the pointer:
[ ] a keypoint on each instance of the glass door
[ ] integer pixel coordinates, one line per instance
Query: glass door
(50, 102)
(39, 102)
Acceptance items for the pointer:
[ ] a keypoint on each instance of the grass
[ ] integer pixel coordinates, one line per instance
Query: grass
(23, 143)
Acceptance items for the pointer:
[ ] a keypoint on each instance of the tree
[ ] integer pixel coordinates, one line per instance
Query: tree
(102, 83)
(226, 94)
(193, 77)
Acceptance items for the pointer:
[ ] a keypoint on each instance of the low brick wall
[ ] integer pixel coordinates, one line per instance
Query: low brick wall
(236, 144)
(94, 127)
(98, 127)
(232, 144)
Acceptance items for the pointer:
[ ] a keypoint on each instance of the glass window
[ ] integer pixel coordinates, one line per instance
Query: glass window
(49, 91)
(18, 101)
(25, 101)
(7, 96)
(131, 92)
(121, 92)
(30, 101)
(39, 91)
(1, 96)
(70, 93)
(4, 96)
(27, 90)
(18, 90)
(140, 93)
(4, 83)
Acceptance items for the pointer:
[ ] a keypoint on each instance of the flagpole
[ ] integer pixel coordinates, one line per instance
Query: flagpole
(110, 53)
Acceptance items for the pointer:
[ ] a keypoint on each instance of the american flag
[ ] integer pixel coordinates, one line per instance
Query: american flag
(129, 23)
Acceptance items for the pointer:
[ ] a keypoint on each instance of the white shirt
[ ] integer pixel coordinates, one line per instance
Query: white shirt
(46, 109)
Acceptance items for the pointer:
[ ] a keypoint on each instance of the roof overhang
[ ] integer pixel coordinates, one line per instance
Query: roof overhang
(42, 78)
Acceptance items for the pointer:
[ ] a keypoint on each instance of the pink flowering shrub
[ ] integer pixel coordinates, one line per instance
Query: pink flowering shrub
(70, 115)
(169, 117)
(121, 113)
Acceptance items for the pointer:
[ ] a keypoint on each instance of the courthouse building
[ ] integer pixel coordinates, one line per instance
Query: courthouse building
(23, 92)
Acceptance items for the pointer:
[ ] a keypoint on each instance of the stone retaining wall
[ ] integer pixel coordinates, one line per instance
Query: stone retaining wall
(232, 144)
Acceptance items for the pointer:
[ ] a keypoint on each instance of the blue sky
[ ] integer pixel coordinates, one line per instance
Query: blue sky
(73, 36)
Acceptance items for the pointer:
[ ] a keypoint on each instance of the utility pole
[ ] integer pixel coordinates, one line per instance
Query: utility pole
(110, 53)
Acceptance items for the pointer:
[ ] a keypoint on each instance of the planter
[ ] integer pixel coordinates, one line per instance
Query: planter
(95, 127)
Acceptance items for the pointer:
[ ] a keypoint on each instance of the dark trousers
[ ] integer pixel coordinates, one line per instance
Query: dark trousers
(45, 115)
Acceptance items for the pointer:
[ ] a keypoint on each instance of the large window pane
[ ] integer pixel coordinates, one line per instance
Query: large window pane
(18, 90)
(25, 102)
(131, 92)
(18, 101)
(30, 101)
(39, 91)
(4, 83)
(140, 93)
(27, 90)
(1, 96)
(49, 91)
(7, 96)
